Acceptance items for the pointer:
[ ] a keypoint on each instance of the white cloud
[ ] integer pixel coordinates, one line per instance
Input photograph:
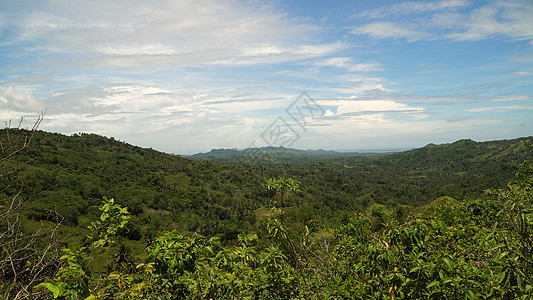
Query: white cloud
(347, 106)
(522, 74)
(348, 64)
(176, 32)
(415, 7)
(328, 113)
(20, 101)
(375, 131)
(442, 20)
(137, 113)
(275, 54)
(368, 110)
(500, 108)
(178, 77)
(381, 30)
(339, 62)
(511, 19)
(146, 49)
(355, 84)
(248, 105)
(506, 98)
(148, 115)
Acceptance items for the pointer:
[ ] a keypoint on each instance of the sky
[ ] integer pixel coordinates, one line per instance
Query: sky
(188, 76)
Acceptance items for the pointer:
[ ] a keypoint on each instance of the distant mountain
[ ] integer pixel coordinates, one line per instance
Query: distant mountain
(277, 155)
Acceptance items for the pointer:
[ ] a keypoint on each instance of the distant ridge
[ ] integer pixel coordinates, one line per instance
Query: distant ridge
(281, 154)
(277, 154)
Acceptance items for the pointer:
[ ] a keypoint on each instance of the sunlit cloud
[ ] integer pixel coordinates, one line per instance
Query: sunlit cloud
(20, 101)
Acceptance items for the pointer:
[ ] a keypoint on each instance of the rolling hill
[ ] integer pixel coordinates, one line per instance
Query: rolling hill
(69, 175)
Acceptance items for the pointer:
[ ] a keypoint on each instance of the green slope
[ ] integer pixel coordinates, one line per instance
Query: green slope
(276, 155)
(69, 175)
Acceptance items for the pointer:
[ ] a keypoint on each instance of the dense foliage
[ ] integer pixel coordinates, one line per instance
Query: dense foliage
(355, 227)
(69, 175)
(475, 250)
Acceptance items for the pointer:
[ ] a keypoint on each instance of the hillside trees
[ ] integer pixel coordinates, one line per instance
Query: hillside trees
(26, 256)
(212, 198)
(283, 188)
(478, 249)
(299, 250)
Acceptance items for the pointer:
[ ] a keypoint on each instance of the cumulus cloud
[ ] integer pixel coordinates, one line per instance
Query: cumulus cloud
(20, 101)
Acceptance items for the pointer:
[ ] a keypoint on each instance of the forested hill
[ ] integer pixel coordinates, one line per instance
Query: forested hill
(465, 154)
(69, 175)
(269, 155)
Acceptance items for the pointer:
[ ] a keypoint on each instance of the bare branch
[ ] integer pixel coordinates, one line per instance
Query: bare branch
(26, 259)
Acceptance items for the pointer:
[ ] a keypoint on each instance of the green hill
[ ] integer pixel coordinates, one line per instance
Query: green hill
(276, 155)
(409, 225)
(69, 175)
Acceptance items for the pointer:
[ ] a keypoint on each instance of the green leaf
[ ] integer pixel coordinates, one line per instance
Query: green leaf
(434, 283)
(114, 275)
(53, 288)
(447, 280)
(449, 264)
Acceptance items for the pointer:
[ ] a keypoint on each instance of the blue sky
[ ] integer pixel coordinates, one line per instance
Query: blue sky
(189, 76)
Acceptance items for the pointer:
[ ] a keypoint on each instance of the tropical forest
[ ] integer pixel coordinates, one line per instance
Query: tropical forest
(85, 216)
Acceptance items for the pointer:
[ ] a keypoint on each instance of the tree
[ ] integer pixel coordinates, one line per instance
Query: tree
(25, 258)
(283, 187)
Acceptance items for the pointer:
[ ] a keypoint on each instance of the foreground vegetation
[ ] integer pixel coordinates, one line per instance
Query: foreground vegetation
(474, 250)
(338, 229)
